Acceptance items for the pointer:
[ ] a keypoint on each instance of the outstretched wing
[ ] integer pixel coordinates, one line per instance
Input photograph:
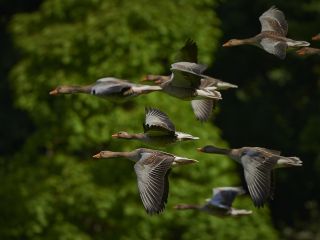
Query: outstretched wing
(152, 174)
(157, 123)
(274, 20)
(108, 86)
(202, 108)
(188, 53)
(274, 47)
(257, 172)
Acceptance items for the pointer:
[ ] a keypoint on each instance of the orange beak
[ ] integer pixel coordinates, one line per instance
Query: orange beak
(145, 78)
(199, 149)
(114, 135)
(97, 155)
(54, 92)
(300, 52)
(226, 44)
(316, 37)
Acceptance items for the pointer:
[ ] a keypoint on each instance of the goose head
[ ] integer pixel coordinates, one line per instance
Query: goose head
(307, 51)
(61, 89)
(122, 135)
(233, 42)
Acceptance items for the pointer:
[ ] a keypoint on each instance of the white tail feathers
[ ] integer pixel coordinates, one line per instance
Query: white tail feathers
(289, 161)
(183, 161)
(224, 85)
(240, 212)
(298, 44)
(184, 136)
(203, 93)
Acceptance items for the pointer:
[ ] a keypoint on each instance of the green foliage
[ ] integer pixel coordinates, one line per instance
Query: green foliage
(52, 187)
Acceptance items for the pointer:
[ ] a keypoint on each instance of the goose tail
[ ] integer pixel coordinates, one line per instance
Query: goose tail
(208, 93)
(240, 212)
(298, 44)
(289, 162)
(185, 137)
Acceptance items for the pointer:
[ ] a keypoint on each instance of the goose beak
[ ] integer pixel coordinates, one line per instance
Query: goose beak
(54, 92)
(300, 52)
(226, 44)
(199, 149)
(144, 78)
(98, 155)
(316, 38)
(114, 135)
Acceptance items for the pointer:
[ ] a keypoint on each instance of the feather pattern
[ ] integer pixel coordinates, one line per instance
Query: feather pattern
(157, 122)
(152, 176)
(202, 108)
(274, 47)
(257, 171)
(274, 20)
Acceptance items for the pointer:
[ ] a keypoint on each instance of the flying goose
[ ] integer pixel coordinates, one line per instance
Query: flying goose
(257, 164)
(108, 88)
(272, 38)
(152, 168)
(158, 130)
(187, 82)
(308, 51)
(220, 203)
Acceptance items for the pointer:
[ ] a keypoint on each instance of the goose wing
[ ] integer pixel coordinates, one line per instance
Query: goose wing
(157, 123)
(274, 47)
(202, 108)
(152, 172)
(207, 81)
(107, 86)
(257, 172)
(188, 53)
(275, 21)
(270, 151)
(187, 74)
(224, 196)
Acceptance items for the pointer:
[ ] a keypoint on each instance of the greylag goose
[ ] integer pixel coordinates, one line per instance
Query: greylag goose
(108, 87)
(257, 164)
(316, 37)
(220, 203)
(272, 38)
(152, 169)
(308, 51)
(188, 82)
(158, 130)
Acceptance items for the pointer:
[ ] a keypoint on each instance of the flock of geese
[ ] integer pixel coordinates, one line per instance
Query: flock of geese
(187, 82)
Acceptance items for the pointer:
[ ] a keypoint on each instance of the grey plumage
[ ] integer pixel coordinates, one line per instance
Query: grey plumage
(258, 164)
(220, 203)
(272, 38)
(152, 169)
